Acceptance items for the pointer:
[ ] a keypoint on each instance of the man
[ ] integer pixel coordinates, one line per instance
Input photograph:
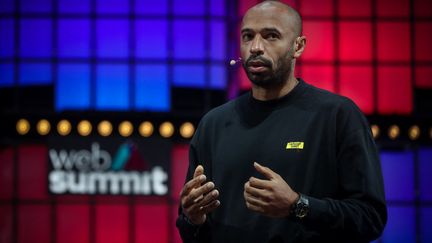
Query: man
(287, 162)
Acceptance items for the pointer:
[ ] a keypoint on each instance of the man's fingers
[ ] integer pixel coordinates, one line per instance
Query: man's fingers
(197, 193)
(258, 193)
(195, 182)
(210, 207)
(211, 196)
(260, 184)
(204, 189)
(254, 207)
(203, 209)
(254, 200)
(267, 172)
(199, 170)
(199, 198)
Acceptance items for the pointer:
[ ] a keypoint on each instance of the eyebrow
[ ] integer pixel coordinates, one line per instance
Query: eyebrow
(246, 30)
(264, 29)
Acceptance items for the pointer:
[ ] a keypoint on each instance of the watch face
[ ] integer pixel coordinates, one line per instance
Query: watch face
(302, 208)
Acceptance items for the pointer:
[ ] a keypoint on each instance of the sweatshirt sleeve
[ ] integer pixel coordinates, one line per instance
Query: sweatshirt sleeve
(359, 212)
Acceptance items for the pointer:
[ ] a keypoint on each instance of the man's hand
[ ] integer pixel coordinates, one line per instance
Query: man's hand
(272, 197)
(198, 199)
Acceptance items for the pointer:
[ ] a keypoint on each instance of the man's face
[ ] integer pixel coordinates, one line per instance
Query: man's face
(267, 46)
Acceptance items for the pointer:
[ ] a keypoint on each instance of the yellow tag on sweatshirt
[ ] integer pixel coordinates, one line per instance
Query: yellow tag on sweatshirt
(295, 145)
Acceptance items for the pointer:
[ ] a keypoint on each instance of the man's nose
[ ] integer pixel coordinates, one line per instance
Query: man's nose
(257, 47)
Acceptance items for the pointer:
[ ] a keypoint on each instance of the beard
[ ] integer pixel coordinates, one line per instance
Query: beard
(277, 75)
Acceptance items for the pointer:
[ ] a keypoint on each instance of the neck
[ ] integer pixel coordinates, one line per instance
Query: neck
(274, 92)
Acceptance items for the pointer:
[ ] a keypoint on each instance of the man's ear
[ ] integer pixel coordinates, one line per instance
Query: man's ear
(299, 46)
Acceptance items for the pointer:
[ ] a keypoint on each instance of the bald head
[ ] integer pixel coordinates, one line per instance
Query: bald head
(286, 12)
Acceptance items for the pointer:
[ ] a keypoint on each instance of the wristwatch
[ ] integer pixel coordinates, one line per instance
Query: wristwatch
(300, 209)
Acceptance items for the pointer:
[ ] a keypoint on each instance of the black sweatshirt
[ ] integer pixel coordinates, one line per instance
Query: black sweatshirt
(338, 168)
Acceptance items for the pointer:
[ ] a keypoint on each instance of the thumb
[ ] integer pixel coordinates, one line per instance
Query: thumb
(267, 172)
(199, 170)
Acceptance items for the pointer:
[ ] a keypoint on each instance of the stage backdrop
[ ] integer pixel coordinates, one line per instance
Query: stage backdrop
(127, 190)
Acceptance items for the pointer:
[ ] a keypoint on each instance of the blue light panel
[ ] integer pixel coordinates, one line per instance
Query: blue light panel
(112, 38)
(189, 39)
(35, 74)
(425, 171)
(218, 41)
(7, 6)
(73, 6)
(426, 222)
(217, 7)
(400, 226)
(151, 7)
(151, 39)
(6, 74)
(198, 49)
(398, 172)
(218, 76)
(112, 87)
(35, 6)
(112, 6)
(35, 38)
(73, 87)
(189, 7)
(73, 38)
(152, 90)
(189, 75)
(7, 38)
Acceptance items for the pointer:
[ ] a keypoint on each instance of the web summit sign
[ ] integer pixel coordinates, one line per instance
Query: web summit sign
(113, 168)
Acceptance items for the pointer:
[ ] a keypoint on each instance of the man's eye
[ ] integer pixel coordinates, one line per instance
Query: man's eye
(272, 36)
(247, 37)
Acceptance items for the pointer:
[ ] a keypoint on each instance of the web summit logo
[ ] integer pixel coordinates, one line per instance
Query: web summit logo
(95, 172)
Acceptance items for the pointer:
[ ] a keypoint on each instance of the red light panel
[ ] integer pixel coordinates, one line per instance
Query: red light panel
(423, 8)
(34, 223)
(423, 77)
(32, 172)
(393, 41)
(179, 166)
(151, 223)
(357, 84)
(423, 40)
(393, 8)
(351, 8)
(6, 223)
(355, 41)
(320, 41)
(321, 76)
(316, 8)
(394, 90)
(73, 223)
(6, 173)
(112, 223)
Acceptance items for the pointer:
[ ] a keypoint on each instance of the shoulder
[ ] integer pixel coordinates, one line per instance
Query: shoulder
(322, 100)
(342, 109)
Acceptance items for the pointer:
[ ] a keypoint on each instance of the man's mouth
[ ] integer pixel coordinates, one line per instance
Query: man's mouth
(257, 67)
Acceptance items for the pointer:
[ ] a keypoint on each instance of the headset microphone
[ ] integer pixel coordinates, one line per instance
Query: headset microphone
(234, 62)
